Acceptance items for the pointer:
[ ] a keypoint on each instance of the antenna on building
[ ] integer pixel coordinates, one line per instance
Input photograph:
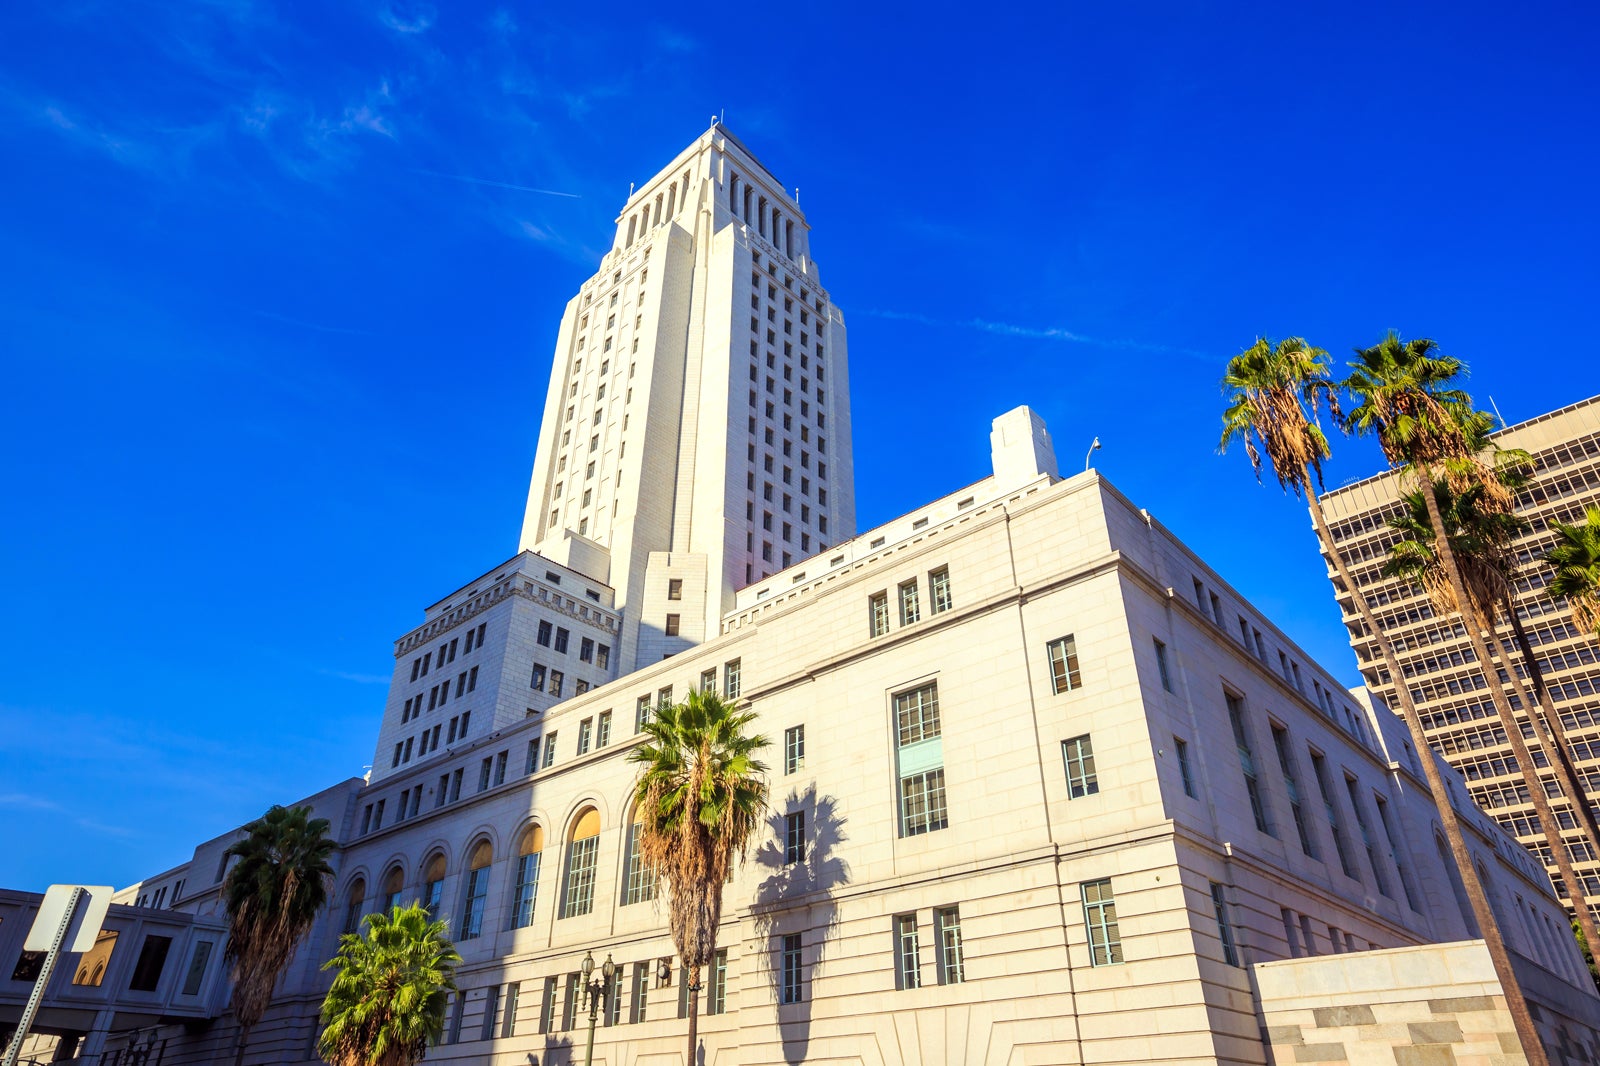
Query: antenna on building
(1497, 412)
(630, 190)
(722, 117)
(1092, 449)
(797, 194)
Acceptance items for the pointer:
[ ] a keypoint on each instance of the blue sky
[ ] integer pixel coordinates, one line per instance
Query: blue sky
(278, 294)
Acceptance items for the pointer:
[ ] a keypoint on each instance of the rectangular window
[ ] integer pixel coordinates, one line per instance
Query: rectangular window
(794, 837)
(1100, 918)
(1319, 769)
(664, 698)
(922, 803)
(537, 681)
(1368, 841)
(581, 862)
(547, 1006)
(491, 1008)
(908, 959)
(563, 637)
(642, 712)
(1079, 756)
(527, 894)
(910, 603)
(939, 599)
(477, 896)
(952, 963)
(569, 1009)
(586, 650)
(556, 679)
(458, 1011)
(878, 613)
(638, 1009)
(1064, 676)
(1224, 925)
(585, 734)
(1394, 850)
(484, 769)
(1161, 664)
(708, 680)
(152, 959)
(545, 630)
(508, 1027)
(731, 680)
(638, 879)
(1247, 762)
(675, 588)
(533, 756)
(917, 715)
(602, 735)
(603, 656)
(717, 993)
(1181, 746)
(550, 749)
(673, 624)
(792, 989)
(794, 748)
(1280, 741)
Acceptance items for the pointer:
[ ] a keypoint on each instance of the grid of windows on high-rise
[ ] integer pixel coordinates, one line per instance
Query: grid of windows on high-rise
(786, 453)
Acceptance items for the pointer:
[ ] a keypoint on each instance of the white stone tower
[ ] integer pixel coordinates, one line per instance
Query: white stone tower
(696, 435)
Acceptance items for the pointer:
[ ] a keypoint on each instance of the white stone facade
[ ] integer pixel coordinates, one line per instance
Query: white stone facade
(696, 434)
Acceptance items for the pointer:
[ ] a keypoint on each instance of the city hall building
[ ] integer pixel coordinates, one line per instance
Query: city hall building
(1030, 800)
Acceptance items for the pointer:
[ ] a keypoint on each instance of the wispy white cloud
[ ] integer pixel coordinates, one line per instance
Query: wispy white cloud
(1053, 333)
(360, 679)
(497, 184)
(21, 801)
(418, 21)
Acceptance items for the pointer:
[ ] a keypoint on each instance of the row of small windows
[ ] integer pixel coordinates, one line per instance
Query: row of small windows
(446, 652)
(909, 602)
(465, 682)
(428, 740)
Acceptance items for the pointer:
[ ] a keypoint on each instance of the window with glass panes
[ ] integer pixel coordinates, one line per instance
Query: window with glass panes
(585, 735)
(794, 837)
(1224, 925)
(602, 732)
(1286, 764)
(717, 993)
(527, 890)
(952, 963)
(939, 599)
(908, 958)
(582, 860)
(640, 880)
(642, 711)
(878, 613)
(794, 748)
(1100, 918)
(477, 892)
(910, 603)
(792, 989)
(1063, 654)
(920, 758)
(1078, 754)
(731, 680)
(1247, 761)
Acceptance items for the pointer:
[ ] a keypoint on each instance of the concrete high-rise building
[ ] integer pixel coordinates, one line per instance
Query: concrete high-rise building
(1438, 660)
(696, 433)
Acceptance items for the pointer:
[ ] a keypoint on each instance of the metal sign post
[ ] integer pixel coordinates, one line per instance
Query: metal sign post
(68, 913)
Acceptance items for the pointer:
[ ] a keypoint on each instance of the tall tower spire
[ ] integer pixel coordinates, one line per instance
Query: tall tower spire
(696, 434)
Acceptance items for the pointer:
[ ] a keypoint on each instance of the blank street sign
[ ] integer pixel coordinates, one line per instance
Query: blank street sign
(85, 924)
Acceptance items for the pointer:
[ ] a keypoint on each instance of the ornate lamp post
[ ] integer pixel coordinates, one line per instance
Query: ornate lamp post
(599, 986)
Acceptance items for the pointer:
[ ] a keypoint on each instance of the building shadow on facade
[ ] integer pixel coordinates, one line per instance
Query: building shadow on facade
(558, 1051)
(799, 899)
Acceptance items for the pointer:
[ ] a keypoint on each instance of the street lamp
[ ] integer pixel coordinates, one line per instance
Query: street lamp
(599, 985)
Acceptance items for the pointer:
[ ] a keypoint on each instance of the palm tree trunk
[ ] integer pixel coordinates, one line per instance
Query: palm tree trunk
(1563, 770)
(694, 1013)
(1488, 928)
(238, 1054)
(1508, 719)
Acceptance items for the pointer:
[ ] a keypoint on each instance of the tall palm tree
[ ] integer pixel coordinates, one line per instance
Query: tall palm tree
(272, 895)
(1483, 540)
(387, 1001)
(1275, 393)
(701, 795)
(1576, 561)
(1406, 396)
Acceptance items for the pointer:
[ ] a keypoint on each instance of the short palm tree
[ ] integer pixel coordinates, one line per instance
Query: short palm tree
(701, 796)
(272, 895)
(387, 1001)
(1406, 395)
(1274, 394)
(1576, 561)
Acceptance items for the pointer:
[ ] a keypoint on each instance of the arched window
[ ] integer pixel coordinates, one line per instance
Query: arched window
(352, 907)
(433, 886)
(639, 881)
(394, 884)
(583, 855)
(477, 890)
(527, 888)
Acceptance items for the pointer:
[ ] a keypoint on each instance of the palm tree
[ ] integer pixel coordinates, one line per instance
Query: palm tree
(1576, 560)
(387, 1001)
(701, 795)
(272, 895)
(1270, 389)
(1406, 396)
(1483, 540)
